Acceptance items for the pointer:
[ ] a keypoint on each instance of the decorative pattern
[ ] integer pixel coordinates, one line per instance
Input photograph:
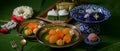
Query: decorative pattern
(89, 28)
(90, 13)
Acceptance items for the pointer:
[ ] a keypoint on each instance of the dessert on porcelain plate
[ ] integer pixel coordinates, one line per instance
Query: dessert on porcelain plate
(90, 13)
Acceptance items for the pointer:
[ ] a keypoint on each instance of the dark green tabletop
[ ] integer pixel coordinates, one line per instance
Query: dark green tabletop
(110, 33)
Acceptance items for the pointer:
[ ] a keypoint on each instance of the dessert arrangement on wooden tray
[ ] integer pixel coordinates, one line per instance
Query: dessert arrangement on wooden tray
(57, 13)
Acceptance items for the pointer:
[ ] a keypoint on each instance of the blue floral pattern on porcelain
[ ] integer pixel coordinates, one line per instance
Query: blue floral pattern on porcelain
(90, 13)
(89, 28)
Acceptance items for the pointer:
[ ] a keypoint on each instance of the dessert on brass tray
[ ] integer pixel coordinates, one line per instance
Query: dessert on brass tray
(29, 28)
(58, 36)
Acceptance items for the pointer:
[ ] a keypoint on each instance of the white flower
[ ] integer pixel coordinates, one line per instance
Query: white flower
(24, 11)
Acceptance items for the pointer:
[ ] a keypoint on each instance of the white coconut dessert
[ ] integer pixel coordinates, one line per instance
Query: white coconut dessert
(52, 15)
(63, 14)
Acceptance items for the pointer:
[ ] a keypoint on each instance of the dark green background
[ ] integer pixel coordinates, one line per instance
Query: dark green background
(110, 33)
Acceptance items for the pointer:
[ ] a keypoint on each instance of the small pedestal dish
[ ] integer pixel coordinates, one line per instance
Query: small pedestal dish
(89, 17)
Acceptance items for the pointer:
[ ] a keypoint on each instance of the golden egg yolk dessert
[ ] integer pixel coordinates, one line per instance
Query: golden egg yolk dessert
(28, 32)
(59, 36)
(53, 39)
(60, 42)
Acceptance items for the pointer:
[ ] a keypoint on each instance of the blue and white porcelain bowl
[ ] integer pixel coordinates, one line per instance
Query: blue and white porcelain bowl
(90, 13)
(92, 43)
(89, 28)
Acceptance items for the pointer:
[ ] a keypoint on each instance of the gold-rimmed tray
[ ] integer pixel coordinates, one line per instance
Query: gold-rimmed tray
(25, 25)
(45, 30)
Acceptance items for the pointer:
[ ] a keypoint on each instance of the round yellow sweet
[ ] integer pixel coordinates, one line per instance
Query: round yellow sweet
(67, 38)
(66, 31)
(47, 37)
(35, 30)
(52, 32)
(28, 32)
(53, 39)
(60, 42)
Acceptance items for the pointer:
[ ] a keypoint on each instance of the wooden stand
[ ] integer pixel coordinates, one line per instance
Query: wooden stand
(43, 15)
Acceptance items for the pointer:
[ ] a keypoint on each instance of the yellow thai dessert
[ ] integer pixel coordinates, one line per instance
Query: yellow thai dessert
(32, 25)
(28, 32)
(59, 36)
(66, 31)
(67, 38)
(53, 39)
(52, 32)
(65, 5)
(47, 37)
(60, 42)
(35, 30)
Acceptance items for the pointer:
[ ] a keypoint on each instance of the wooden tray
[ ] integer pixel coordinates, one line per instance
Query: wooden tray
(43, 15)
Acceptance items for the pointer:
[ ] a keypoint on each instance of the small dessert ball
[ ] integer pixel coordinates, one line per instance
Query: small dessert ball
(59, 33)
(53, 39)
(28, 32)
(35, 30)
(60, 42)
(52, 32)
(67, 38)
(66, 31)
(92, 37)
(47, 37)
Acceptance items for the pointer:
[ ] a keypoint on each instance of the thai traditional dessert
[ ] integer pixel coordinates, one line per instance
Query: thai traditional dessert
(63, 14)
(52, 15)
(90, 13)
(65, 5)
(92, 37)
(59, 36)
(31, 27)
(28, 32)
(60, 42)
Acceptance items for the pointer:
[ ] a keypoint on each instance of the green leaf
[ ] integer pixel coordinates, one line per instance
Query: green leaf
(113, 47)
